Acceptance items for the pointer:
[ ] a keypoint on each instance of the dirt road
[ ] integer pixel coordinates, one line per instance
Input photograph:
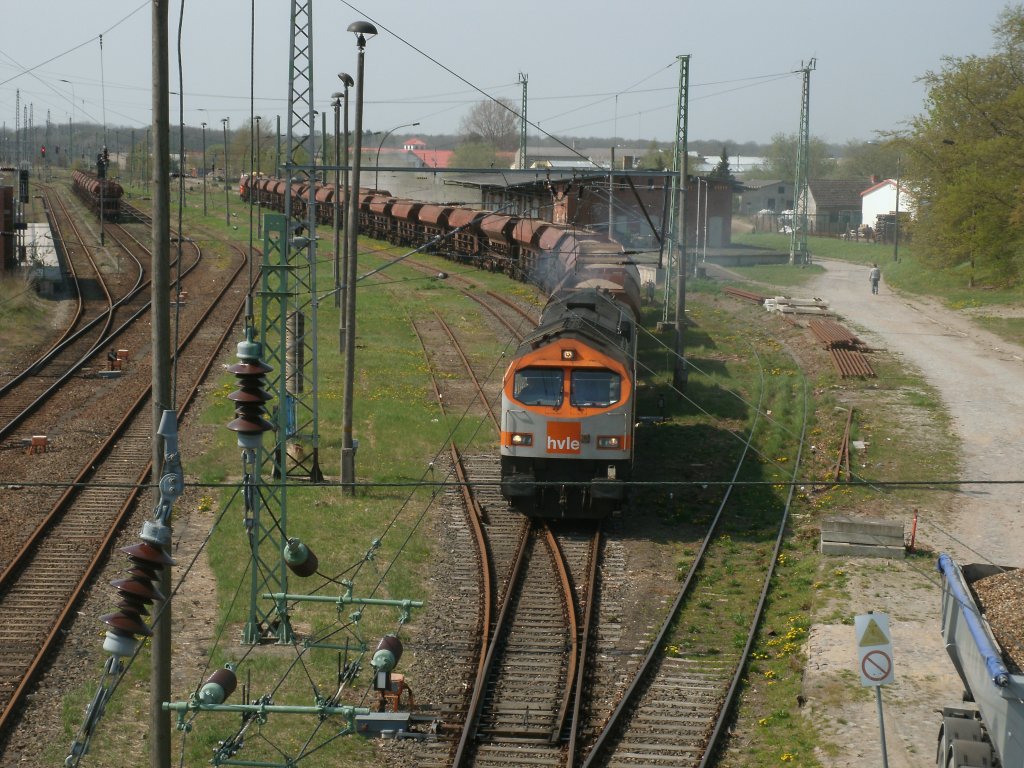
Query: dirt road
(979, 378)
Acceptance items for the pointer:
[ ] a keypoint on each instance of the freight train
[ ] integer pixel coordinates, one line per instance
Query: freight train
(568, 396)
(99, 194)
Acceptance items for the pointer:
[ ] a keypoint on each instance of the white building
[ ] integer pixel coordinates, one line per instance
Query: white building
(880, 200)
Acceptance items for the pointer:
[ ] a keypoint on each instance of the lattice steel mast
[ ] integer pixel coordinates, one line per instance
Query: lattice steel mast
(302, 438)
(524, 79)
(675, 238)
(798, 237)
(288, 344)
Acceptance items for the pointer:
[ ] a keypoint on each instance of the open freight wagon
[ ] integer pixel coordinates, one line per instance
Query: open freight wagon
(991, 733)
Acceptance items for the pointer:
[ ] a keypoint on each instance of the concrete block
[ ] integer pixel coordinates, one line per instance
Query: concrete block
(862, 550)
(867, 538)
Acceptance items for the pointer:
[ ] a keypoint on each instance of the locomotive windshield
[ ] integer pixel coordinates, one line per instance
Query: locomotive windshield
(539, 386)
(594, 389)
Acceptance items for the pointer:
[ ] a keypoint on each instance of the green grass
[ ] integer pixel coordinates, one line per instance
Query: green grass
(25, 316)
(781, 276)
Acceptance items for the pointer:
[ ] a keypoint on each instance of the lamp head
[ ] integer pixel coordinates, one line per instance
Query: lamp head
(362, 29)
(346, 78)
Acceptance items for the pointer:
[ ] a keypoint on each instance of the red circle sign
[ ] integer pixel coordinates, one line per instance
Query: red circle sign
(876, 666)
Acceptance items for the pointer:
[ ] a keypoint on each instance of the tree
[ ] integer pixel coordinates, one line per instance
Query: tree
(474, 154)
(781, 159)
(961, 159)
(656, 159)
(493, 122)
(722, 171)
(865, 159)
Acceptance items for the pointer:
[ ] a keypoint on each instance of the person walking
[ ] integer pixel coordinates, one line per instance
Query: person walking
(874, 276)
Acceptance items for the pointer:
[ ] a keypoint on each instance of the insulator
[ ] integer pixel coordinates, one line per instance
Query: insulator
(218, 686)
(300, 559)
(147, 555)
(388, 654)
(250, 396)
(136, 594)
(138, 588)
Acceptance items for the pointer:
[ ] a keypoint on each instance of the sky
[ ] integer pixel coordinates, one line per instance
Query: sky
(595, 68)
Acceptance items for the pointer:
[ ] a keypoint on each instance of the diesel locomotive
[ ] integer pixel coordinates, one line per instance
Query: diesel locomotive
(568, 409)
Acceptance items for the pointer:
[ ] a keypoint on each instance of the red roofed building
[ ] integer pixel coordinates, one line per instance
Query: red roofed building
(428, 158)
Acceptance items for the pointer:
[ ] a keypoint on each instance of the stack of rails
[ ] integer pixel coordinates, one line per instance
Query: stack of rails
(742, 294)
(845, 349)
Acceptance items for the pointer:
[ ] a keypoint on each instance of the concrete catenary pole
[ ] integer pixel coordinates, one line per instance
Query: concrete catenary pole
(160, 670)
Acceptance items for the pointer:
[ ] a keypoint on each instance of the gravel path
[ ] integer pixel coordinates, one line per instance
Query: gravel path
(979, 378)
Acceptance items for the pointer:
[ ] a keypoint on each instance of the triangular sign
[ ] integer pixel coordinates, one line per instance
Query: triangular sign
(873, 635)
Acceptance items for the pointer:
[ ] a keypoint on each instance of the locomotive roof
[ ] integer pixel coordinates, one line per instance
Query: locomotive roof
(589, 314)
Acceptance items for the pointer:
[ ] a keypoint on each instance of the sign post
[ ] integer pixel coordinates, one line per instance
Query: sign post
(874, 660)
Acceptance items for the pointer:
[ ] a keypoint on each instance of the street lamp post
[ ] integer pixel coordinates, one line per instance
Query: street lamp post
(346, 79)
(205, 167)
(227, 202)
(336, 103)
(376, 176)
(348, 458)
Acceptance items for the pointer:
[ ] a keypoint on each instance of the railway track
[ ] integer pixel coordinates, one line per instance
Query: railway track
(83, 351)
(675, 710)
(85, 332)
(524, 700)
(529, 652)
(42, 582)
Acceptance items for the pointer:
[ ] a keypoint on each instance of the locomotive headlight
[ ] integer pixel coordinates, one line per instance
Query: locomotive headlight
(522, 438)
(568, 354)
(613, 442)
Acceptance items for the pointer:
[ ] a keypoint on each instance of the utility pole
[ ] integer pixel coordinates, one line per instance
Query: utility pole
(611, 196)
(160, 677)
(896, 220)
(677, 224)
(204, 170)
(798, 237)
(524, 79)
(227, 201)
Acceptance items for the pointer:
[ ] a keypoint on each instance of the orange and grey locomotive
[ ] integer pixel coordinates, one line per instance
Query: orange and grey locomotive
(568, 403)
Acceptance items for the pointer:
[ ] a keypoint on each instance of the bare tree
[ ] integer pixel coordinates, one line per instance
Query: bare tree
(492, 122)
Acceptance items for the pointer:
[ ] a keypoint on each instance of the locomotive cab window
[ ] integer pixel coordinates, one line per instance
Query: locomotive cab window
(595, 389)
(538, 386)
